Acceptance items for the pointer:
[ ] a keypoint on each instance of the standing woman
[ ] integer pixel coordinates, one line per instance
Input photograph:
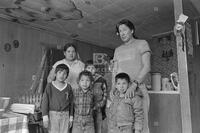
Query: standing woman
(72, 61)
(133, 58)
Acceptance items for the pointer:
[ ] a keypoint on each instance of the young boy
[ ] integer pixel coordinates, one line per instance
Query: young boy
(126, 114)
(100, 93)
(84, 104)
(57, 106)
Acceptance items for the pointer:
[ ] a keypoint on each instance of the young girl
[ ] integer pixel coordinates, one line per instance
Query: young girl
(84, 104)
(57, 106)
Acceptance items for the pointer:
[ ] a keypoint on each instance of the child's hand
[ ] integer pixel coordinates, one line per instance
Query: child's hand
(70, 121)
(46, 121)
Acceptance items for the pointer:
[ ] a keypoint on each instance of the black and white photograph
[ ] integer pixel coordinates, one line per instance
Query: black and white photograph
(99, 66)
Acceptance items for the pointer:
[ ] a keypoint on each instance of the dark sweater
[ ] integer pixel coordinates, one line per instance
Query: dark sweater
(56, 100)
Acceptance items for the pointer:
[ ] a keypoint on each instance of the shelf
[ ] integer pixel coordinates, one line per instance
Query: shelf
(163, 92)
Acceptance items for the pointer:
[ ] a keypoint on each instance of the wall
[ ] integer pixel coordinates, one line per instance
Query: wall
(19, 65)
(194, 84)
(86, 52)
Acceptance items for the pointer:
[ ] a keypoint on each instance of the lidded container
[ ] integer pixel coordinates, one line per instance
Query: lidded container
(156, 81)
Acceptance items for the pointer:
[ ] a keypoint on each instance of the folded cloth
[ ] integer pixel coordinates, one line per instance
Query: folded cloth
(23, 108)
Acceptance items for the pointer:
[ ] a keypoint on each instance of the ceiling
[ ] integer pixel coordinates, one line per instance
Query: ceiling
(94, 21)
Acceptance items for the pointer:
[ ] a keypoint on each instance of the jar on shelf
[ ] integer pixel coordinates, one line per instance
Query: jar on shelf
(156, 81)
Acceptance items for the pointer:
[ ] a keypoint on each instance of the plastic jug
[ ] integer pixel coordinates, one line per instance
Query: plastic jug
(166, 85)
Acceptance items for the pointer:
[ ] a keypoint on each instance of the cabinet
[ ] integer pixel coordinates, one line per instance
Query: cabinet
(165, 112)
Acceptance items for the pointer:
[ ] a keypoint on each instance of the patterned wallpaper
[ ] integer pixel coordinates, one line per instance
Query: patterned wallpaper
(159, 49)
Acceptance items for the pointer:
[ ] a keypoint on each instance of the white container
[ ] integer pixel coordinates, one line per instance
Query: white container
(166, 85)
(156, 81)
(4, 102)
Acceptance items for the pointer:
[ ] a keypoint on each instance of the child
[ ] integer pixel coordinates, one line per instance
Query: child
(84, 104)
(126, 114)
(100, 93)
(57, 106)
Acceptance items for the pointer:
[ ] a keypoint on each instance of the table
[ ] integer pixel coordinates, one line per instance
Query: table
(13, 123)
